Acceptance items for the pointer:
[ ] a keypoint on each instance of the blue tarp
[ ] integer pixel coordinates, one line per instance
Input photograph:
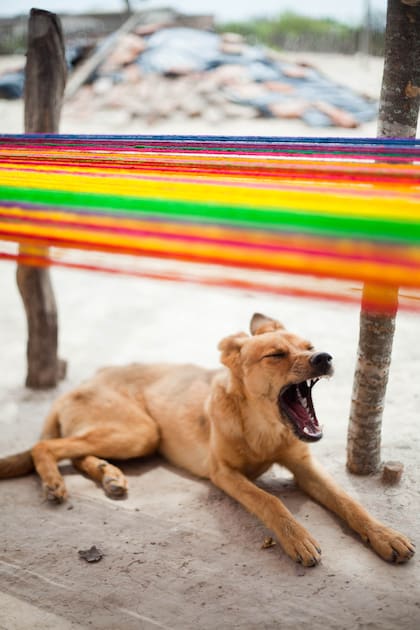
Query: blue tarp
(183, 50)
(11, 85)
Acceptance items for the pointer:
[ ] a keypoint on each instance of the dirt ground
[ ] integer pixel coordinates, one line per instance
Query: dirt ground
(178, 554)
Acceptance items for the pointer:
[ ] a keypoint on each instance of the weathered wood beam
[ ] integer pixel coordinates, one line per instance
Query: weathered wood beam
(45, 78)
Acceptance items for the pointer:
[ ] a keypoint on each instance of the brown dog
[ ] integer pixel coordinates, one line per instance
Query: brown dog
(227, 425)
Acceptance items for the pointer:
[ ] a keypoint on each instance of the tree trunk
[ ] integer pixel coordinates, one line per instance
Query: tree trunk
(369, 387)
(400, 94)
(398, 116)
(45, 77)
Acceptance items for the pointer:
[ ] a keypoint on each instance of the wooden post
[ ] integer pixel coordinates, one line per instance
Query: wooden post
(398, 116)
(376, 334)
(45, 77)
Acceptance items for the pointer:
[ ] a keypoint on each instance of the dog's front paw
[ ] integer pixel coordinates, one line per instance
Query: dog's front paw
(55, 492)
(390, 544)
(301, 547)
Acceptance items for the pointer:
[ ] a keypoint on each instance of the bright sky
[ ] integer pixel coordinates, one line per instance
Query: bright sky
(222, 9)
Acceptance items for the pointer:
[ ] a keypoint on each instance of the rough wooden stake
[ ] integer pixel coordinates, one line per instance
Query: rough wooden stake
(45, 77)
(398, 116)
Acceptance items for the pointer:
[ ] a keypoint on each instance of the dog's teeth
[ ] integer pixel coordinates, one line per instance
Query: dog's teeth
(306, 430)
(302, 400)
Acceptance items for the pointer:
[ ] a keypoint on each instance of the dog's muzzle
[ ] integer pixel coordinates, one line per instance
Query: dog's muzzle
(321, 362)
(295, 400)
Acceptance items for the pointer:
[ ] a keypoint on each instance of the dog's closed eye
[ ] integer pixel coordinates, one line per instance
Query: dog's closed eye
(278, 354)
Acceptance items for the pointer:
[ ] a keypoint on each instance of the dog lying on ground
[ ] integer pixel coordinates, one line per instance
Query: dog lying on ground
(227, 425)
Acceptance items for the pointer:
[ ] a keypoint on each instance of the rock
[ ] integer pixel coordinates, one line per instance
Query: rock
(102, 85)
(295, 71)
(128, 48)
(228, 74)
(213, 114)
(288, 109)
(91, 555)
(194, 106)
(337, 116)
(392, 472)
(132, 73)
(229, 48)
(232, 110)
(148, 29)
(278, 86)
(232, 38)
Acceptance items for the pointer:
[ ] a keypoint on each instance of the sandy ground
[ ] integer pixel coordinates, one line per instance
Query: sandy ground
(178, 553)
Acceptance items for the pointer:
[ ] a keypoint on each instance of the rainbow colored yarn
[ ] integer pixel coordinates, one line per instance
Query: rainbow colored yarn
(313, 217)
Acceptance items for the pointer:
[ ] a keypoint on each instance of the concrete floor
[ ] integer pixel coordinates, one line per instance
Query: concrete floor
(178, 553)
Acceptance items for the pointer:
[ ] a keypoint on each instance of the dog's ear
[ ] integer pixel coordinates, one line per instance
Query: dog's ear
(230, 347)
(262, 324)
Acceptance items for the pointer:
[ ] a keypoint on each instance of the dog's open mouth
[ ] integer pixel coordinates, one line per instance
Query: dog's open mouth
(296, 402)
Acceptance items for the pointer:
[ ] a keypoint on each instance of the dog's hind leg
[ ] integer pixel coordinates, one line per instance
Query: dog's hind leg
(113, 441)
(110, 477)
(45, 455)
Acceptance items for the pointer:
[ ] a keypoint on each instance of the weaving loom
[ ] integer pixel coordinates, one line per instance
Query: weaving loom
(310, 217)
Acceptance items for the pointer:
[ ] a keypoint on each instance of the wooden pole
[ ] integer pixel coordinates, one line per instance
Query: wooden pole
(45, 77)
(398, 116)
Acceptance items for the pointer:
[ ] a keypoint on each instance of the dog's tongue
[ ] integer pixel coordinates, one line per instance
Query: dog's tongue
(296, 402)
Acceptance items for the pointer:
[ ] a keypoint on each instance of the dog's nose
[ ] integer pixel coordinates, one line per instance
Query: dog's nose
(321, 360)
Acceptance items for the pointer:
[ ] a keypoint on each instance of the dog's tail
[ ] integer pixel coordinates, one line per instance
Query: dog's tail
(16, 465)
(22, 463)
